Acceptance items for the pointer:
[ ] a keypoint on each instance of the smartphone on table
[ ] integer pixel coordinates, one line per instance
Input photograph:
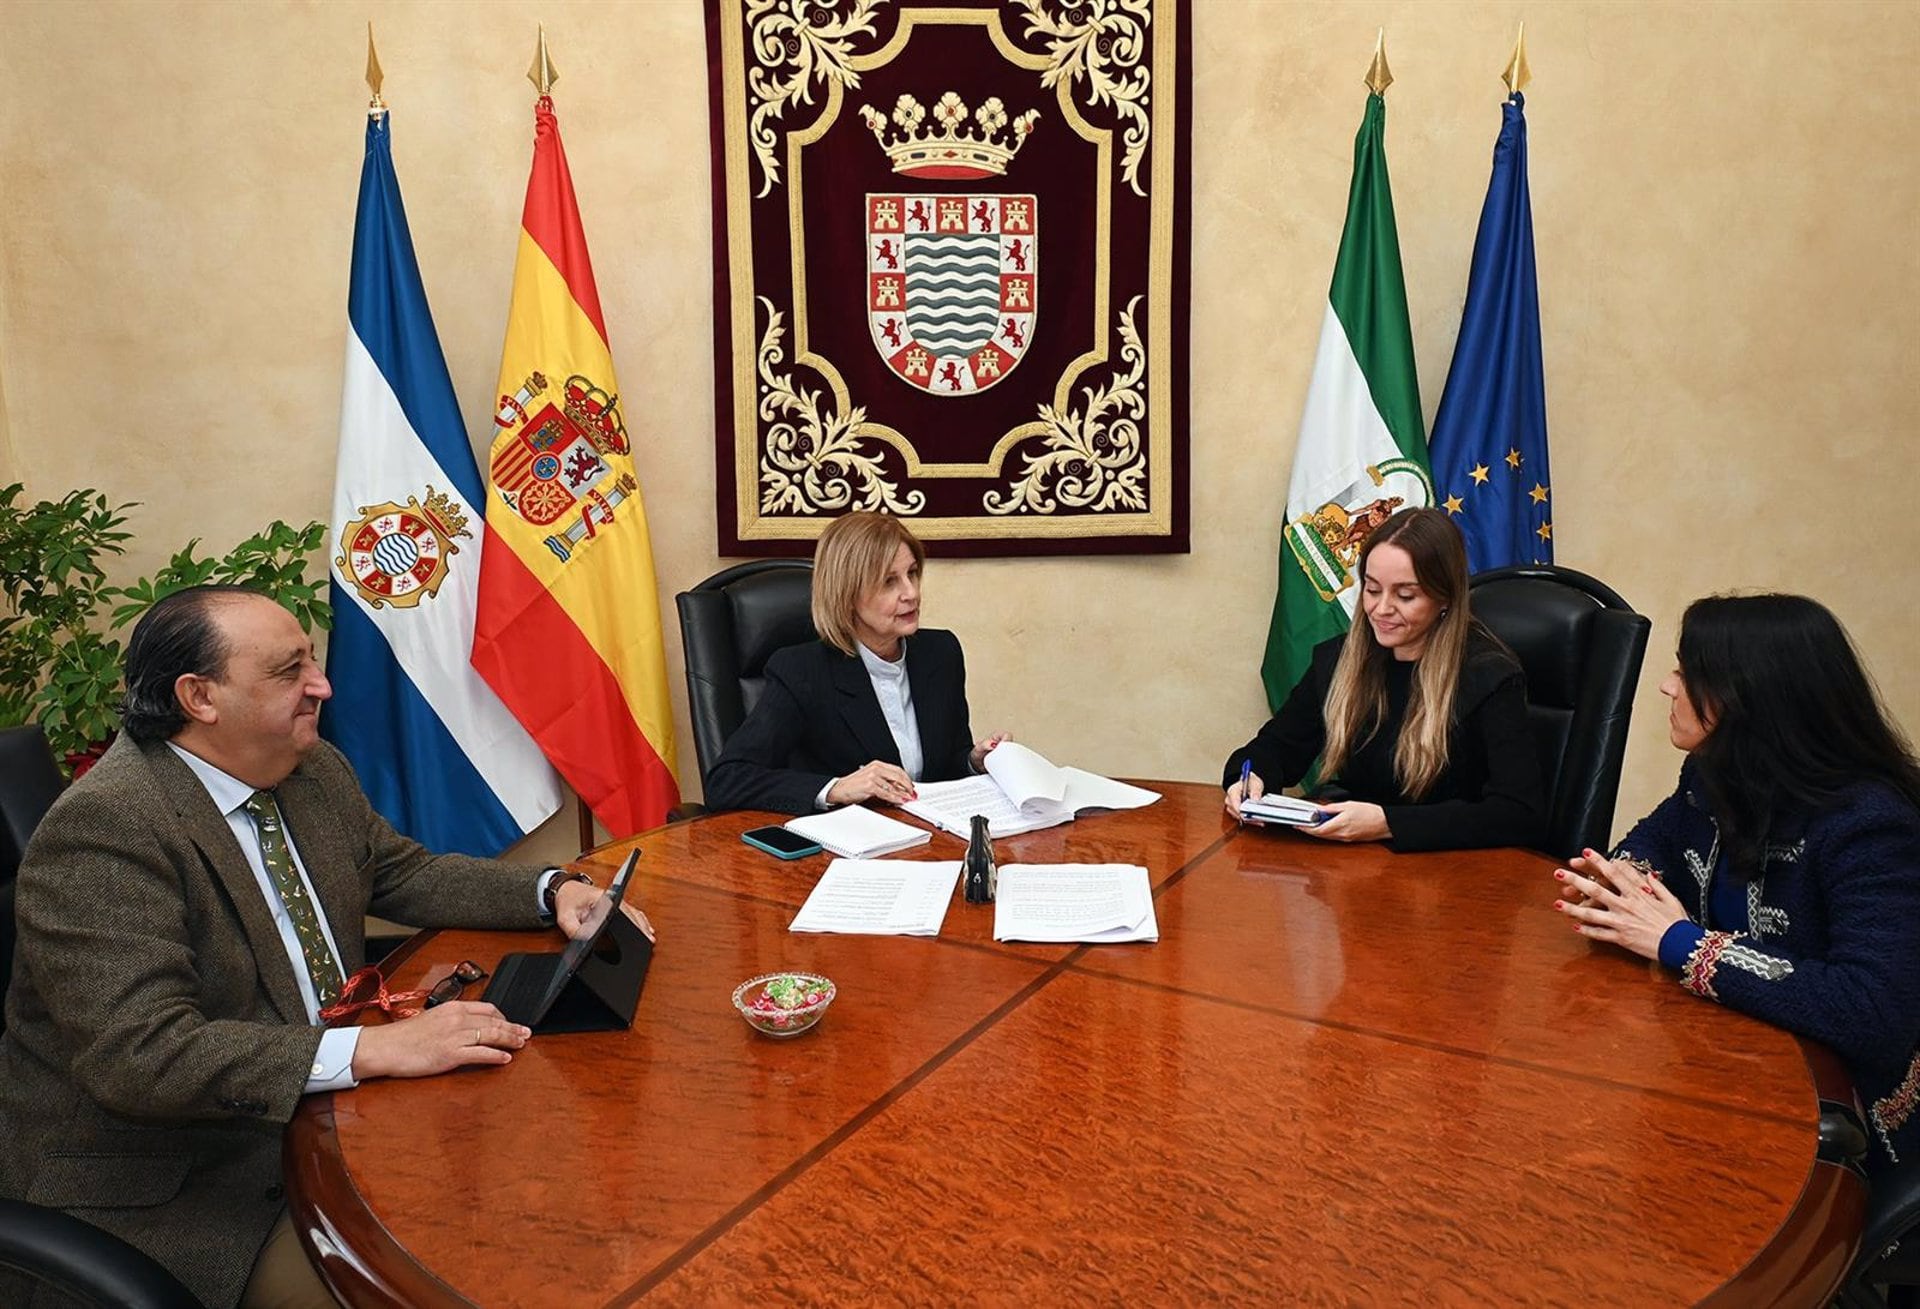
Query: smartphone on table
(780, 843)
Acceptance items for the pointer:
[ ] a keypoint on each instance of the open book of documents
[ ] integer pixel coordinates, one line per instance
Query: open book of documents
(1278, 808)
(1021, 792)
(1074, 902)
(857, 833)
(879, 897)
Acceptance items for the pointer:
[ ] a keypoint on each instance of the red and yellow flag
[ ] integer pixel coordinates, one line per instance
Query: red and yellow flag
(568, 624)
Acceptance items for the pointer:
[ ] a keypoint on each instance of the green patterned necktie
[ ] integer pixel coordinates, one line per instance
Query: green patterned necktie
(322, 967)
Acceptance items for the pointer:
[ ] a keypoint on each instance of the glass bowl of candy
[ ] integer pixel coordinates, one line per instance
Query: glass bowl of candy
(783, 1004)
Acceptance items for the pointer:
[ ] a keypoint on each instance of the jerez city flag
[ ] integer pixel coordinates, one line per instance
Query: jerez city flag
(1490, 436)
(437, 752)
(569, 625)
(1362, 452)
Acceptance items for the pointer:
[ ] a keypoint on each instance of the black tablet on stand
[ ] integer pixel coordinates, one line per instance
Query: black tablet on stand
(591, 986)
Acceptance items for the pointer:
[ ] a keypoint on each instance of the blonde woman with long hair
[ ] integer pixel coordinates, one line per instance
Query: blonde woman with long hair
(875, 706)
(1417, 716)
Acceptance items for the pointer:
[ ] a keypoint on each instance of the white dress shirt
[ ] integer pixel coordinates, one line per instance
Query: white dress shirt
(895, 694)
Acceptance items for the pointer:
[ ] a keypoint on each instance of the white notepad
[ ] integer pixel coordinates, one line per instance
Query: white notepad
(879, 897)
(1276, 808)
(1074, 902)
(1022, 791)
(856, 833)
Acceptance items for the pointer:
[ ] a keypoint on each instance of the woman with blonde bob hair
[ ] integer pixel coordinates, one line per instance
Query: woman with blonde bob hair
(1417, 716)
(874, 706)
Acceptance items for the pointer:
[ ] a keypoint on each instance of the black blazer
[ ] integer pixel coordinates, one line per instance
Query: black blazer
(1491, 792)
(818, 719)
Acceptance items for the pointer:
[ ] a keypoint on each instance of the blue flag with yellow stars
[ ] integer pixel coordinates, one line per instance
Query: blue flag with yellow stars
(1489, 446)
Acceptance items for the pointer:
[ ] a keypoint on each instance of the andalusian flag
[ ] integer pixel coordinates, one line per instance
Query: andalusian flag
(1362, 452)
(568, 630)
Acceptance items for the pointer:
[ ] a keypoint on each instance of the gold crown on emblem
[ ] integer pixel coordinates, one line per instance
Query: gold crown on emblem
(949, 153)
(441, 508)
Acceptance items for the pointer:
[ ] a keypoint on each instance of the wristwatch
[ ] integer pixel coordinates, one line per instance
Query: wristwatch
(552, 894)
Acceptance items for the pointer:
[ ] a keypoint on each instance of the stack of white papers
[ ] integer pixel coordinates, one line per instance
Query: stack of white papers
(1282, 809)
(879, 897)
(1021, 792)
(1074, 902)
(858, 833)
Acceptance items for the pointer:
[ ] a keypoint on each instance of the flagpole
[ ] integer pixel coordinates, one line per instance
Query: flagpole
(1379, 76)
(376, 106)
(1517, 74)
(541, 72)
(543, 75)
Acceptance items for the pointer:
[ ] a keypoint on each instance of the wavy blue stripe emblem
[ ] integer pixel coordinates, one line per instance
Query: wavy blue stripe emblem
(953, 286)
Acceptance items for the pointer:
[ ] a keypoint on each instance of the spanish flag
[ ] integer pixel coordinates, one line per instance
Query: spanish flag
(568, 624)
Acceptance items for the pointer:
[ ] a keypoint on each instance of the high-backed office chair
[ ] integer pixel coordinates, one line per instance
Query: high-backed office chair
(89, 1266)
(30, 781)
(1581, 646)
(729, 625)
(1889, 1258)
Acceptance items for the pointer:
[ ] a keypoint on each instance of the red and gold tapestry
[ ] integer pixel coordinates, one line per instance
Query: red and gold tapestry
(950, 269)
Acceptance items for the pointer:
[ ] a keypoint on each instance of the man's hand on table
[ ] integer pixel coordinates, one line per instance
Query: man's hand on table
(438, 1040)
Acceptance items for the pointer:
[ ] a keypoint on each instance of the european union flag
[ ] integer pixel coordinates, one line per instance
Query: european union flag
(1489, 446)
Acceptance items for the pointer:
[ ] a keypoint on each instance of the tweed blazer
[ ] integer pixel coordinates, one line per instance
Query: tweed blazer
(818, 719)
(156, 1042)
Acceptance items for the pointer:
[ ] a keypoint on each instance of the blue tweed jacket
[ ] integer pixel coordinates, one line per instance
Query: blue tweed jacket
(1829, 945)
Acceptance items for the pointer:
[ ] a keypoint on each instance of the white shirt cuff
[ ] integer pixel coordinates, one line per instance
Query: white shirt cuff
(540, 885)
(333, 1064)
(820, 801)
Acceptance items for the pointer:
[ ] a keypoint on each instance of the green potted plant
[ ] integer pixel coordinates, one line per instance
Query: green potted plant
(59, 663)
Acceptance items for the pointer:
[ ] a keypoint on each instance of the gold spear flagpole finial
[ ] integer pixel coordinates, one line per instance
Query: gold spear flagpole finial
(375, 106)
(1379, 76)
(1518, 74)
(542, 72)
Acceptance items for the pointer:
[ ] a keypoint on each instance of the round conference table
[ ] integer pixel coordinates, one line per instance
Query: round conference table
(1341, 1075)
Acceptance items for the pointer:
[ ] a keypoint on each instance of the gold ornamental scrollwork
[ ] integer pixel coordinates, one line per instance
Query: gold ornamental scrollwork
(812, 462)
(795, 52)
(1093, 460)
(1103, 42)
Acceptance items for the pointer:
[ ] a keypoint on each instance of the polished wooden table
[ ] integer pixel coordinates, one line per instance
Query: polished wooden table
(1341, 1075)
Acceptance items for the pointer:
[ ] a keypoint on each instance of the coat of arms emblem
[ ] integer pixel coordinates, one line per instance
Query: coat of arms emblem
(552, 468)
(397, 554)
(1326, 543)
(952, 279)
(953, 283)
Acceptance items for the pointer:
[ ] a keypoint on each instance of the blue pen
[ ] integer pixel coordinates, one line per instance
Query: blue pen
(1246, 775)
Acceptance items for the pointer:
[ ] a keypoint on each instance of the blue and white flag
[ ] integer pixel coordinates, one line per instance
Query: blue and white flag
(1489, 446)
(437, 752)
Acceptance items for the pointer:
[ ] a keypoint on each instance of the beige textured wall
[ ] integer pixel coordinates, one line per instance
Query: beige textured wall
(1725, 198)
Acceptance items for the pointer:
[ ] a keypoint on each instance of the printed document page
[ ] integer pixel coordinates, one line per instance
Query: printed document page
(1022, 792)
(879, 897)
(1074, 902)
(952, 805)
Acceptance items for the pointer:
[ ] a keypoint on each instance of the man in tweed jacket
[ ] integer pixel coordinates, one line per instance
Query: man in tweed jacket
(161, 1018)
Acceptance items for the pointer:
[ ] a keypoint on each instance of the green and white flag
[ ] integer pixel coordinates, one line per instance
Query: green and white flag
(1362, 452)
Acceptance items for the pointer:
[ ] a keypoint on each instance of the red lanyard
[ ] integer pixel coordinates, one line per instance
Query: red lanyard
(367, 989)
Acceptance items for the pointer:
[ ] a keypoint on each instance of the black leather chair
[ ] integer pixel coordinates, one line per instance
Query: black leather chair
(1887, 1269)
(30, 781)
(87, 1265)
(1581, 646)
(729, 625)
